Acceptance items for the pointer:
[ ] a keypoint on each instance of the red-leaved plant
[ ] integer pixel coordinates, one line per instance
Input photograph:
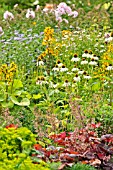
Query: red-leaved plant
(81, 145)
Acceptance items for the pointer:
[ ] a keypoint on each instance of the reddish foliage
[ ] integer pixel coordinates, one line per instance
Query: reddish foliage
(12, 126)
(81, 145)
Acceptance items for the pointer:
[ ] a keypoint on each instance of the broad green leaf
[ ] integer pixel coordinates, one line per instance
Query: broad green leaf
(7, 104)
(24, 101)
(2, 96)
(96, 86)
(17, 84)
(14, 100)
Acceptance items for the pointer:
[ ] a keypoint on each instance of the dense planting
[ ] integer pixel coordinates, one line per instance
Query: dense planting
(56, 85)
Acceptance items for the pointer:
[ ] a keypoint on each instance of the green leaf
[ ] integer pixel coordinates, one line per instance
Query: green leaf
(96, 86)
(7, 104)
(2, 96)
(36, 96)
(17, 84)
(24, 101)
(106, 6)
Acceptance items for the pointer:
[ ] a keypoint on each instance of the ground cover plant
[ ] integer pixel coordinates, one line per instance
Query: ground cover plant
(56, 86)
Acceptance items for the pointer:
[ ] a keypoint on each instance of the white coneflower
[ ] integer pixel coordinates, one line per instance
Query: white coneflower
(86, 54)
(87, 77)
(110, 67)
(56, 68)
(41, 81)
(90, 54)
(93, 62)
(76, 78)
(63, 68)
(80, 71)
(95, 57)
(83, 62)
(40, 62)
(53, 85)
(109, 39)
(75, 58)
(59, 63)
(75, 69)
(66, 83)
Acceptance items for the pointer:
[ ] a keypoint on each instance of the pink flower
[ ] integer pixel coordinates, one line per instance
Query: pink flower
(37, 8)
(75, 14)
(8, 15)
(59, 19)
(1, 31)
(30, 14)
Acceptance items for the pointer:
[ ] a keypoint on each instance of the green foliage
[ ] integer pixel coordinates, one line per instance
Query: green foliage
(22, 3)
(80, 166)
(15, 141)
(15, 147)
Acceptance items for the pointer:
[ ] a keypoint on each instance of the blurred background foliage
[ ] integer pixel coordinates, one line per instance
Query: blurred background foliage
(86, 4)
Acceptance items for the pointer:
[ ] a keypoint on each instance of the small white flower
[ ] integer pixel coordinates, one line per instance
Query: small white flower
(37, 8)
(109, 39)
(86, 55)
(59, 64)
(30, 14)
(91, 56)
(77, 78)
(63, 69)
(96, 58)
(69, 73)
(40, 63)
(75, 69)
(8, 15)
(87, 77)
(109, 68)
(56, 69)
(93, 63)
(66, 21)
(16, 5)
(52, 85)
(41, 81)
(84, 62)
(66, 84)
(80, 72)
(75, 59)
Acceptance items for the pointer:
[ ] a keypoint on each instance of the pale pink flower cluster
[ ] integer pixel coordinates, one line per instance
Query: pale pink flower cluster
(30, 14)
(64, 9)
(1, 31)
(8, 15)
